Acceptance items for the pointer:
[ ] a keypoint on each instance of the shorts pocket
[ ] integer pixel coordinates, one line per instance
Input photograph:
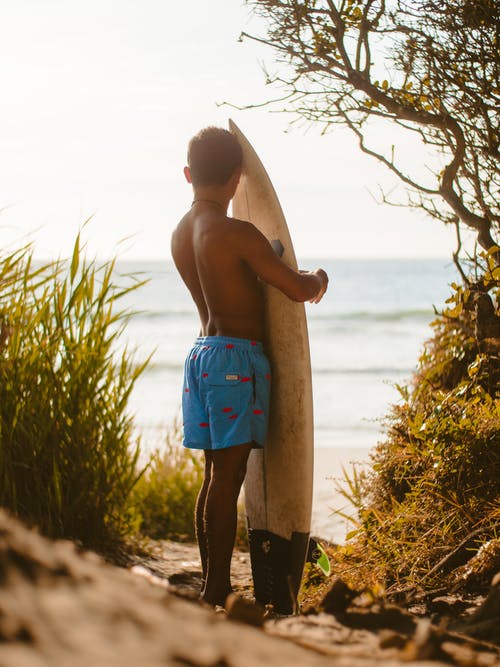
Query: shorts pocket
(224, 395)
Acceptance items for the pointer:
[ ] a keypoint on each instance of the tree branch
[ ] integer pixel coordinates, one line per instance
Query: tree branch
(384, 160)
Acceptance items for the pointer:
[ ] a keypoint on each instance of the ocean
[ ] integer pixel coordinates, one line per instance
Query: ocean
(365, 337)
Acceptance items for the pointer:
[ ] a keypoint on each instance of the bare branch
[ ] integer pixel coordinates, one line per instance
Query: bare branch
(441, 84)
(388, 163)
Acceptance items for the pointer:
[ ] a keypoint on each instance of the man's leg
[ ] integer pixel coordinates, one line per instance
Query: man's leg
(227, 475)
(201, 535)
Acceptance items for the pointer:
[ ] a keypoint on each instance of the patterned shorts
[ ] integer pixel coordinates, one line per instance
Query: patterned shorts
(225, 400)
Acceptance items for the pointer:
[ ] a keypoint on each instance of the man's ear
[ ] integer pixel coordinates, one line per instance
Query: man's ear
(235, 179)
(187, 174)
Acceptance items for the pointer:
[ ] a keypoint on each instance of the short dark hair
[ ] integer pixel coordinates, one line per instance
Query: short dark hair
(213, 156)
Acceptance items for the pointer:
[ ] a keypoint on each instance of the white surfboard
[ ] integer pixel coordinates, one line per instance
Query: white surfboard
(279, 480)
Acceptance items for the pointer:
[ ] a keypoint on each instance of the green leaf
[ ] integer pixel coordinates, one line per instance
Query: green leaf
(323, 561)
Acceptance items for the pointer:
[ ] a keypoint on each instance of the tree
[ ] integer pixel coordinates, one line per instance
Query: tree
(430, 67)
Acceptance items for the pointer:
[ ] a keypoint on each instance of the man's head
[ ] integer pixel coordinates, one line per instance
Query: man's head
(214, 157)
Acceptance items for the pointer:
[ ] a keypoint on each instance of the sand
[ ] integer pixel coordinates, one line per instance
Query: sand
(63, 608)
(329, 463)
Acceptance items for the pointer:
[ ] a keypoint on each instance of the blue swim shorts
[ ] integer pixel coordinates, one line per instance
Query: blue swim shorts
(225, 399)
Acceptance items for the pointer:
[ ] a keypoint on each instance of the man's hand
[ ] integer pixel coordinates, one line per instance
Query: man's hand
(323, 276)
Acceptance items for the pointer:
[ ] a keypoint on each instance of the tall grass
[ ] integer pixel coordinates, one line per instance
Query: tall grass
(68, 462)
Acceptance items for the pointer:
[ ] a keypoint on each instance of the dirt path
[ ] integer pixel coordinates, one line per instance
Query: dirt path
(384, 644)
(61, 608)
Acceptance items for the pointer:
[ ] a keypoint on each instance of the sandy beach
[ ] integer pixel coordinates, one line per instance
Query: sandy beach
(328, 465)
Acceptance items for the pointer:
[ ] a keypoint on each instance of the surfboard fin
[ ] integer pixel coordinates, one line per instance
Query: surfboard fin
(318, 556)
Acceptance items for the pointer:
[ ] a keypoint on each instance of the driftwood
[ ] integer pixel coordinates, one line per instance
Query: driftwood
(460, 546)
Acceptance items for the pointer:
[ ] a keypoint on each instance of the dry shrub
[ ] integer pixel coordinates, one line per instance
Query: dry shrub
(432, 494)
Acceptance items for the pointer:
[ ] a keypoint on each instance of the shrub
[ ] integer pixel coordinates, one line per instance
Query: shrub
(432, 495)
(67, 457)
(165, 495)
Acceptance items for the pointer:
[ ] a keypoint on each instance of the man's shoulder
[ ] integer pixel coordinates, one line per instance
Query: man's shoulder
(242, 226)
(244, 235)
(181, 225)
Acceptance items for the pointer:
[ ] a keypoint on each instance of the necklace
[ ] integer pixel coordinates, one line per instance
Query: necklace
(209, 201)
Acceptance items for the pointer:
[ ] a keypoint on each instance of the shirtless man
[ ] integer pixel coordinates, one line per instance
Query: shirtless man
(223, 263)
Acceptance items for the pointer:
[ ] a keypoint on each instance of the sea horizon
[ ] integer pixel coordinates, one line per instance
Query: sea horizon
(300, 258)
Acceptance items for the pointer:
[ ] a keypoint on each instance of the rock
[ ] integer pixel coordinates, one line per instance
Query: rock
(426, 643)
(379, 617)
(487, 630)
(338, 597)
(147, 574)
(447, 605)
(465, 656)
(491, 606)
(484, 623)
(477, 573)
(245, 611)
(391, 639)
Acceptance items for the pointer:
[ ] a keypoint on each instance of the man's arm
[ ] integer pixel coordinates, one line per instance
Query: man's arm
(257, 252)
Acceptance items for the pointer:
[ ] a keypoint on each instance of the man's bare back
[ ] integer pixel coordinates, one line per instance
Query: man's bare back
(227, 293)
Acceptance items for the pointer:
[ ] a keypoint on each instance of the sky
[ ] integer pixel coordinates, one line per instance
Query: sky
(99, 100)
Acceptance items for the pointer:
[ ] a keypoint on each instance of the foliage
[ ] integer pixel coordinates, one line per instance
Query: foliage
(432, 495)
(430, 68)
(165, 496)
(67, 457)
